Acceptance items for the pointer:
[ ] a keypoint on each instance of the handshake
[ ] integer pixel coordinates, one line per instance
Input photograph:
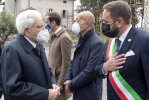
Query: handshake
(53, 93)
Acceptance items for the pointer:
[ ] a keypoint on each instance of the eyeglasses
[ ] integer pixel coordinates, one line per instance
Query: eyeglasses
(39, 26)
(104, 21)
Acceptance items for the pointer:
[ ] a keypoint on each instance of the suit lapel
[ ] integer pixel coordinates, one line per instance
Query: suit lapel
(128, 41)
(45, 63)
(25, 43)
(27, 46)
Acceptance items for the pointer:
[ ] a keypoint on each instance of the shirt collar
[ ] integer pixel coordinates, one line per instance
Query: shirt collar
(123, 36)
(32, 43)
(58, 30)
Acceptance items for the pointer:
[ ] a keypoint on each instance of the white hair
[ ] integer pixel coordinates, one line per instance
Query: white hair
(25, 20)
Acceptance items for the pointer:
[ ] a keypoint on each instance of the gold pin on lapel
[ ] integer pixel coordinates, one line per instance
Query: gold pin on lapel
(129, 40)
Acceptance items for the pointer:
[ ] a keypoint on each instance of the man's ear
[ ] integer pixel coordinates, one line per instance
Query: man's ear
(26, 31)
(120, 22)
(53, 23)
(88, 24)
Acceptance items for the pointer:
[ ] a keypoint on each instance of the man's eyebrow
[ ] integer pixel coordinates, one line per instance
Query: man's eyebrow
(103, 20)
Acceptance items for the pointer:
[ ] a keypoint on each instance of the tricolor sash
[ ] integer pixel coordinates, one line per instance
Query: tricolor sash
(122, 88)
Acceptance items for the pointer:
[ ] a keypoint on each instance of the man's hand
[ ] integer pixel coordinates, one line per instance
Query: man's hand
(114, 63)
(53, 94)
(55, 87)
(66, 86)
(61, 86)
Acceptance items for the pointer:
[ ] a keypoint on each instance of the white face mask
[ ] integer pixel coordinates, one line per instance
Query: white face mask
(76, 28)
(42, 37)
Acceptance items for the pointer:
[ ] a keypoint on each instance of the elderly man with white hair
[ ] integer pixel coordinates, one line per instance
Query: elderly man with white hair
(25, 70)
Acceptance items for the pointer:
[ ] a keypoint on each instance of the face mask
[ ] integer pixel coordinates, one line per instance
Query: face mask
(48, 27)
(43, 36)
(107, 31)
(76, 28)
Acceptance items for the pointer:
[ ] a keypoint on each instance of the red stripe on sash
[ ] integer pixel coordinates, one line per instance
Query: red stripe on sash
(116, 88)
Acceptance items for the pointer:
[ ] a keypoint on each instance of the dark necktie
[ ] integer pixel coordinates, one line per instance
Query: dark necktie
(37, 48)
(117, 46)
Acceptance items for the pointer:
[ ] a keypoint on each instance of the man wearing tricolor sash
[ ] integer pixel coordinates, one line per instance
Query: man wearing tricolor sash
(125, 59)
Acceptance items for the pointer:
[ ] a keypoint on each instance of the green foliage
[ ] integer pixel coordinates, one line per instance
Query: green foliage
(96, 7)
(7, 25)
(104, 38)
(94, 3)
(91, 4)
(75, 38)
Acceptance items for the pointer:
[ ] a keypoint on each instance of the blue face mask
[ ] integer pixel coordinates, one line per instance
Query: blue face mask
(48, 27)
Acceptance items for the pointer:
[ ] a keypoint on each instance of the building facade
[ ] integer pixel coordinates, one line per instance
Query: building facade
(64, 7)
(145, 21)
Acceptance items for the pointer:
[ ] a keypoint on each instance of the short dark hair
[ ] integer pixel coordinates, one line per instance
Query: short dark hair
(54, 16)
(119, 9)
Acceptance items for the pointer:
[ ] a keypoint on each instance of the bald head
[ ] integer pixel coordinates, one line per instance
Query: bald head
(88, 17)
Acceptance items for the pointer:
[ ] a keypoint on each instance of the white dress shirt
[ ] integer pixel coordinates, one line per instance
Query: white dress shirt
(58, 30)
(123, 36)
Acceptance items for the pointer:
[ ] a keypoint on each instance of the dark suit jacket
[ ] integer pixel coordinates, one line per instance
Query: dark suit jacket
(136, 69)
(26, 76)
(84, 82)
